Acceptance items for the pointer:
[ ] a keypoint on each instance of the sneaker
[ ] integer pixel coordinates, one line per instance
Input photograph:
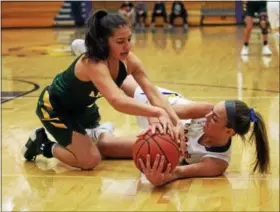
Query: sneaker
(78, 47)
(95, 133)
(245, 50)
(34, 145)
(266, 50)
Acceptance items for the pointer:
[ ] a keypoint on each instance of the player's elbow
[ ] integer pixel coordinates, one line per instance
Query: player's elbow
(216, 171)
(116, 102)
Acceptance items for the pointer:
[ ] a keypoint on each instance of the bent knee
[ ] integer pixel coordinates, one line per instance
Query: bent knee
(91, 161)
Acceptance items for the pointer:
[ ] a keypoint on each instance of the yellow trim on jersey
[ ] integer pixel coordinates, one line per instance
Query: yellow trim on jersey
(46, 101)
(59, 125)
(46, 116)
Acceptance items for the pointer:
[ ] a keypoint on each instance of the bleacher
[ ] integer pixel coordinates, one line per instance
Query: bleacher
(47, 14)
(218, 13)
(29, 14)
(199, 13)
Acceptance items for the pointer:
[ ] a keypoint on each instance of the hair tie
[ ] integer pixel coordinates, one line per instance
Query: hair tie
(253, 117)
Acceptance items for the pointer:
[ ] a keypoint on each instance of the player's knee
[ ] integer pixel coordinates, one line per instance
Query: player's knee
(264, 29)
(249, 26)
(91, 161)
(264, 24)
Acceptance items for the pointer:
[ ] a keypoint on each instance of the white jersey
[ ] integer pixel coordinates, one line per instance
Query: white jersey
(197, 151)
(194, 129)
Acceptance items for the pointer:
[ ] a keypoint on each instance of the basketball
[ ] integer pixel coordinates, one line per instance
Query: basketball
(153, 145)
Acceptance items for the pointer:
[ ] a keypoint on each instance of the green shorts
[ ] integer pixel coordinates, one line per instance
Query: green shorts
(61, 124)
(253, 7)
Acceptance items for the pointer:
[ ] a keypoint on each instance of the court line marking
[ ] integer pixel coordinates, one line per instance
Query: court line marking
(91, 176)
(176, 83)
(215, 86)
(36, 87)
(196, 97)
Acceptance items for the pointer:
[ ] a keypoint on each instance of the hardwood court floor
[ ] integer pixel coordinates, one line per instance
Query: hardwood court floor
(203, 64)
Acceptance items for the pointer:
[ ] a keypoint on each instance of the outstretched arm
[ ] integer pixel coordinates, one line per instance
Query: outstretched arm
(190, 110)
(207, 167)
(193, 110)
(136, 68)
(100, 76)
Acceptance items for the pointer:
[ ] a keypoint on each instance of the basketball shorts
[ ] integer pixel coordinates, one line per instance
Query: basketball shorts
(253, 7)
(61, 124)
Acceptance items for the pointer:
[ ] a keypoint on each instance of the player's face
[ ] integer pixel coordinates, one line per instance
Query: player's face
(120, 43)
(216, 120)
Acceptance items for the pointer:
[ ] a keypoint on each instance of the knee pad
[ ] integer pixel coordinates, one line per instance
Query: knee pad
(264, 29)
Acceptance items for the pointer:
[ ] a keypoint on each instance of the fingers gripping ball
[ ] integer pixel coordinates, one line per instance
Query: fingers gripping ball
(162, 144)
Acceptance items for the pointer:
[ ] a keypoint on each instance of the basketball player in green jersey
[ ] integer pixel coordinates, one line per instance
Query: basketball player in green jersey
(67, 107)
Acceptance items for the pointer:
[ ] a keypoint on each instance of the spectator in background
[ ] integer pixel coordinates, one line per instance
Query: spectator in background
(127, 11)
(158, 11)
(178, 10)
(141, 12)
(76, 8)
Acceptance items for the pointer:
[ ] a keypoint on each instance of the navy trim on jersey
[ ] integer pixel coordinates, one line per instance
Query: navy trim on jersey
(165, 93)
(219, 148)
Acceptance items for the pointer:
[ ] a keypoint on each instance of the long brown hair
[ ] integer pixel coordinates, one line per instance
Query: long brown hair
(243, 119)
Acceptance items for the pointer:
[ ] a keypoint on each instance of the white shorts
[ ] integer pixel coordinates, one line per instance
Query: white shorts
(273, 13)
(172, 97)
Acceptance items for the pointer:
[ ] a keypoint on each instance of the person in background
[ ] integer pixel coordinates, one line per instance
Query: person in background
(178, 10)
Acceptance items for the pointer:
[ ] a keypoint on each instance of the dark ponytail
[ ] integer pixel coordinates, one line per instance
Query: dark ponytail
(100, 28)
(262, 160)
(240, 117)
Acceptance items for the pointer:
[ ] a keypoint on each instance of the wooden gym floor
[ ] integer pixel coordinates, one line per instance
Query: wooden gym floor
(203, 64)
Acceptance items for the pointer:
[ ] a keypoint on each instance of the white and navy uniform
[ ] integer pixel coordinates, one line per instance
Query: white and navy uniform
(193, 127)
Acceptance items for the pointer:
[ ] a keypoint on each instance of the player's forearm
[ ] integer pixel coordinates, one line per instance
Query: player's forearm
(193, 110)
(157, 99)
(130, 106)
(196, 170)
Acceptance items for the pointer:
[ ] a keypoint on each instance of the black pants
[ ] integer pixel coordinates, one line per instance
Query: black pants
(154, 15)
(173, 16)
(76, 7)
(138, 17)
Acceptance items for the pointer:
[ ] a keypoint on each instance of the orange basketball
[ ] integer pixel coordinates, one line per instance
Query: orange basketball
(161, 144)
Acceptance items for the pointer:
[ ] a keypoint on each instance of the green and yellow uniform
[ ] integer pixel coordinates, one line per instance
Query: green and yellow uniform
(69, 104)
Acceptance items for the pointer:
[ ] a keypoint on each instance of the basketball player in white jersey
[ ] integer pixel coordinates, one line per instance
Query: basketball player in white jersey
(208, 129)
(208, 138)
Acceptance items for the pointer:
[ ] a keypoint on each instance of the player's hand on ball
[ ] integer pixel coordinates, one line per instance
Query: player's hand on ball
(180, 137)
(155, 125)
(166, 123)
(155, 173)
